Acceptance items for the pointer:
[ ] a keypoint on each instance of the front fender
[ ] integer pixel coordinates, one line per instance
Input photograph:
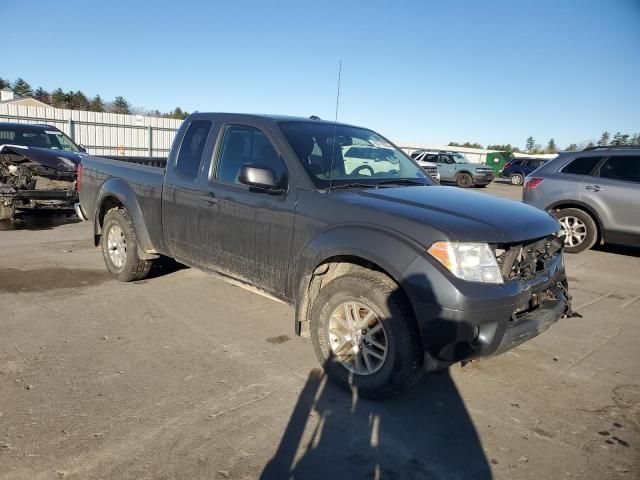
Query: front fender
(118, 189)
(386, 249)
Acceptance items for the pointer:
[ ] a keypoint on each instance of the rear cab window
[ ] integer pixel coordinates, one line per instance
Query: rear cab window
(581, 165)
(191, 148)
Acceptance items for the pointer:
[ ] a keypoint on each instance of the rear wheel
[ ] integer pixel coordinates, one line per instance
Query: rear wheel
(516, 179)
(464, 180)
(365, 335)
(579, 230)
(7, 211)
(120, 248)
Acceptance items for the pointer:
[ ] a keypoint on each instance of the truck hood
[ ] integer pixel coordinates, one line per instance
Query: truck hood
(56, 159)
(460, 214)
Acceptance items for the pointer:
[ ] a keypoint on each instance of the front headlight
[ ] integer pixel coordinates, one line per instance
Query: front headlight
(474, 262)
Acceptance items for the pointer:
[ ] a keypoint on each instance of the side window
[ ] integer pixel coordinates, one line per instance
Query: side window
(622, 168)
(247, 145)
(581, 165)
(192, 147)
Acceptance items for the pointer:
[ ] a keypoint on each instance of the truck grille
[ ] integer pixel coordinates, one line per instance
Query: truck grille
(525, 260)
(431, 171)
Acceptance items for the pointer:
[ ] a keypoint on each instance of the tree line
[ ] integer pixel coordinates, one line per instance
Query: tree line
(618, 139)
(77, 100)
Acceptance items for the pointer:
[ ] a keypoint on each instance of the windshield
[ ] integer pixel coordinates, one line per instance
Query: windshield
(459, 158)
(347, 155)
(37, 137)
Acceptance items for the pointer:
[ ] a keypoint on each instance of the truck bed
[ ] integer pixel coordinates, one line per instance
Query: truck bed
(126, 178)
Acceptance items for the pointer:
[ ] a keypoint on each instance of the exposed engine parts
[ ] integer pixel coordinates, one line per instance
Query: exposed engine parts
(35, 178)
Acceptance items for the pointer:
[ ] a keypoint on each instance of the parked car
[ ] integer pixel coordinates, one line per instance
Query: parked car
(517, 169)
(37, 168)
(454, 167)
(390, 274)
(429, 167)
(374, 159)
(594, 193)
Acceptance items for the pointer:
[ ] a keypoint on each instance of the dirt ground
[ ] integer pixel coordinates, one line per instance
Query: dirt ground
(185, 376)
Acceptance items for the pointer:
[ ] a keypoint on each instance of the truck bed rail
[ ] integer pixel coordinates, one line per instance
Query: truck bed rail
(160, 162)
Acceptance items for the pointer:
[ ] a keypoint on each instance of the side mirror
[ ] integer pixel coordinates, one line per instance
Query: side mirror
(259, 176)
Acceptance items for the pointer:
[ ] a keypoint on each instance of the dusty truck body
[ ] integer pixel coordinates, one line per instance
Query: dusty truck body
(37, 168)
(390, 274)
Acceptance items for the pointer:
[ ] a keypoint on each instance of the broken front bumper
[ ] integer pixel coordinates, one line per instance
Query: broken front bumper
(490, 320)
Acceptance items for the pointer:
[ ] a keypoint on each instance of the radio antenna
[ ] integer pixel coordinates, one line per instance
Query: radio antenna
(335, 124)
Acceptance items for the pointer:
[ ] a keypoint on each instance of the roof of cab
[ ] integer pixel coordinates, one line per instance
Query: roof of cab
(267, 117)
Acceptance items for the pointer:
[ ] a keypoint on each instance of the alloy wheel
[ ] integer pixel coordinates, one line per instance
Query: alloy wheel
(574, 231)
(117, 246)
(357, 338)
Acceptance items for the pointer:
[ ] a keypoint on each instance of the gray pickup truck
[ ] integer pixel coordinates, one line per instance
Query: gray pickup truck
(390, 274)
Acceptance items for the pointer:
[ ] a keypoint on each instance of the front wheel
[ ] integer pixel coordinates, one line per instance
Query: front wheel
(120, 248)
(579, 230)
(365, 335)
(464, 180)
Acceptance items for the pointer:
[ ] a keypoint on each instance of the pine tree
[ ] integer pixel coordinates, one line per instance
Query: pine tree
(551, 146)
(42, 95)
(79, 101)
(4, 83)
(531, 143)
(22, 88)
(120, 105)
(604, 139)
(572, 147)
(96, 104)
(58, 99)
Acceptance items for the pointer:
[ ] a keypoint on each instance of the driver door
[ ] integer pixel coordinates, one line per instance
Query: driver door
(247, 231)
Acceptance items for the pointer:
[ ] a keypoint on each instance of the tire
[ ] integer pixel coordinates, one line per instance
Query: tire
(584, 229)
(7, 212)
(464, 180)
(516, 179)
(120, 251)
(402, 363)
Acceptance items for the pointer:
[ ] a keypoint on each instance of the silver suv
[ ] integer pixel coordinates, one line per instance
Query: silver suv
(594, 194)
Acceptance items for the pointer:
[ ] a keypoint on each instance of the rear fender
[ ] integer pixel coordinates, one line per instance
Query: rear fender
(118, 189)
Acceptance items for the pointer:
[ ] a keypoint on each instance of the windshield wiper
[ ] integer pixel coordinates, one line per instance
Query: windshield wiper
(353, 185)
(400, 181)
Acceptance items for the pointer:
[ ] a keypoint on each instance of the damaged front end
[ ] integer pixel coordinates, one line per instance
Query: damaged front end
(36, 178)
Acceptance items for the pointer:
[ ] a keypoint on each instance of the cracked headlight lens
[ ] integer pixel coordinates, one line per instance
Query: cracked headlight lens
(474, 262)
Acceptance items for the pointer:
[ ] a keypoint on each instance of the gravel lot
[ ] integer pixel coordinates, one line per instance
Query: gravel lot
(185, 376)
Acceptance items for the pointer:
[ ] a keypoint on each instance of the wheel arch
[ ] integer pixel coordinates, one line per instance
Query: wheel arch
(116, 193)
(385, 253)
(562, 204)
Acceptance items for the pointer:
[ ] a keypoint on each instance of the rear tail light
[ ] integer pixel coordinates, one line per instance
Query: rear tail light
(533, 183)
(78, 176)
(506, 165)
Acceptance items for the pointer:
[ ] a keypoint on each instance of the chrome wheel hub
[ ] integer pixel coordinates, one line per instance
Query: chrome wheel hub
(574, 231)
(358, 338)
(117, 246)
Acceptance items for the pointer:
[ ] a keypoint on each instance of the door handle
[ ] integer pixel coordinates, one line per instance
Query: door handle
(208, 199)
(593, 188)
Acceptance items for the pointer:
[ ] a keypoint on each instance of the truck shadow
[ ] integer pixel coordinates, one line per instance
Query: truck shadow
(164, 266)
(424, 434)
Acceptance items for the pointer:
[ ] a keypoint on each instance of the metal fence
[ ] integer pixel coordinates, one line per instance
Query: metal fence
(108, 134)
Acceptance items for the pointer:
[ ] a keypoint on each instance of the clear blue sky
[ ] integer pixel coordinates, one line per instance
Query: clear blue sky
(423, 71)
